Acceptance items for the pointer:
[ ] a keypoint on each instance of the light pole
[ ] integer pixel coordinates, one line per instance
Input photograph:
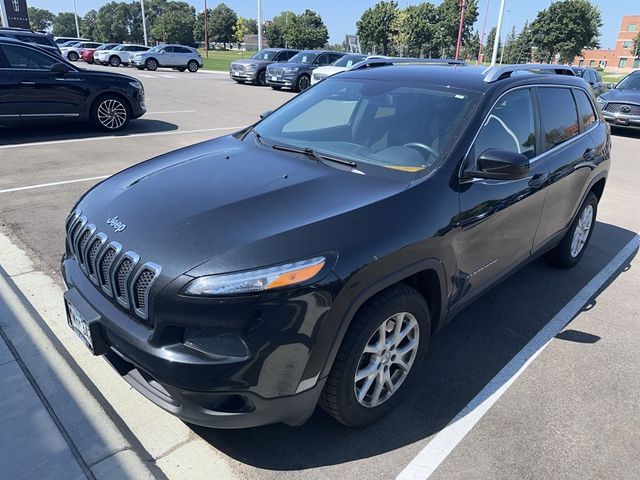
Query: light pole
(259, 25)
(496, 41)
(206, 30)
(463, 4)
(75, 16)
(144, 22)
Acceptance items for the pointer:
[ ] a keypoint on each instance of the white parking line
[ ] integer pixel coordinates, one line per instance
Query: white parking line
(146, 76)
(115, 137)
(166, 76)
(170, 112)
(53, 184)
(434, 453)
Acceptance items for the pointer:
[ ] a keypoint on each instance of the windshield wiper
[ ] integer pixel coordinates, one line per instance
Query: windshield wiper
(258, 136)
(310, 152)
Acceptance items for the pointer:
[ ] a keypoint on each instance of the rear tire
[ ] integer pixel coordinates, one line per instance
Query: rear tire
(379, 358)
(193, 66)
(572, 246)
(115, 61)
(73, 57)
(110, 113)
(261, 79)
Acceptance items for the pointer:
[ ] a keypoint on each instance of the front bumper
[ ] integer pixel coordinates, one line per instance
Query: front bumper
(621, 120)
(280, 81)
(271, 383)
(138, 62)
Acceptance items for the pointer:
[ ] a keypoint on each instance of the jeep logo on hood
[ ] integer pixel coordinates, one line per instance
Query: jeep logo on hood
(117, 225)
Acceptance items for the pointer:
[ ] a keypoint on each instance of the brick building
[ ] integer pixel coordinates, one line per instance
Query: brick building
(621, 58)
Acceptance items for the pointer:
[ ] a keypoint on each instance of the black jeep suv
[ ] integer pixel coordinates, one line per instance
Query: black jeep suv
(36, 85)
(308, 258)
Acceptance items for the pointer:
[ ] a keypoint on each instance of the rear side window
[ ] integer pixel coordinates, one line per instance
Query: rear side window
(510, 126)
(26, 58)
(181, 50)
(585, 107)
(559, 115)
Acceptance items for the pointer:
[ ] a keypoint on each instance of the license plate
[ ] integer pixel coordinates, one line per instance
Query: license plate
(274, 78)
(79, 325)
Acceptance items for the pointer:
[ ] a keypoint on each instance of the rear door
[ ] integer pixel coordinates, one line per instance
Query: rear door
(39, 92)
(569, 151)
(182, 55)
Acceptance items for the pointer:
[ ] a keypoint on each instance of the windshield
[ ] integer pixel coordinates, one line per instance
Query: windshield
(157, 48)
(71, 43)
(119, 47)
(304, 57)
(265, 55)
(348, 60)
(630, 82)
(401, 126)
(107, 46)
(579, 72)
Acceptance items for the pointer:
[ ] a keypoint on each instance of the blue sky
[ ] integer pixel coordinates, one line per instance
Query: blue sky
(340, 16)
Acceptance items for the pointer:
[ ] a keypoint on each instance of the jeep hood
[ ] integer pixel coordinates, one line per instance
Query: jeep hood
(192, 205)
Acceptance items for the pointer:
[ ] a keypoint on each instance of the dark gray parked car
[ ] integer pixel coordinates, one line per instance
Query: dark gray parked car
(621, 105)
(592, 77)
(253, 69)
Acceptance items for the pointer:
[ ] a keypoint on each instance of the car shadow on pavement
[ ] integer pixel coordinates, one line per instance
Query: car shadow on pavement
(463, 357)
(37, 133)
(625, 132)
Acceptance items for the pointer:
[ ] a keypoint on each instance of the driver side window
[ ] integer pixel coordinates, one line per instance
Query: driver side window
(26, 58)
(510, 126)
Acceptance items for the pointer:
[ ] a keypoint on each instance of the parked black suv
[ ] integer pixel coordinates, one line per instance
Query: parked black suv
(621, 104)
(253, 69)
(41, 39)
(592, 77)
(38, 85)
(308, 258)
(296, 73)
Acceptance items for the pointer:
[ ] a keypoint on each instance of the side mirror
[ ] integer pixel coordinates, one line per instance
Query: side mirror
(59, 68)
(265, 114)
(499, 164)
(610, 85)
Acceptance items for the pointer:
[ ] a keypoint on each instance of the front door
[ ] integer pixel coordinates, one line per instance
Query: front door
(7, 95)
(499, 218)
(40, 92)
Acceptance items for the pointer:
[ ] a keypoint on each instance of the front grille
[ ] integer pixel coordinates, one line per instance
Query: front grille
(621, 107)
(276, 72)
(105, 266)
(117, 273)
(237, 68)
(141, 288)
(122, 274)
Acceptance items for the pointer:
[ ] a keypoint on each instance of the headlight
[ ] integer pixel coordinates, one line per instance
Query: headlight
(251, 67)
(257, 280)
(136, 84)
(290, 69)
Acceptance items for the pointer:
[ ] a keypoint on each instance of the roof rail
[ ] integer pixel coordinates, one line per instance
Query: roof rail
(380, 62)
(495, 73)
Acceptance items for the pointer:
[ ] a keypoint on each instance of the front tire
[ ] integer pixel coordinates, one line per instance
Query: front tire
(572, 246)
(303, 83)
(379, 357)
(261, 79)
(115, 61)
(73, 57)
(151, 64)
(193, 66)
(110, 113)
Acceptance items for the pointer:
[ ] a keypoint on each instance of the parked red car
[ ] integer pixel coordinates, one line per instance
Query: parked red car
(86, 54)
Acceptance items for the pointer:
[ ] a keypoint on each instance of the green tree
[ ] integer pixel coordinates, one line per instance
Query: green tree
(116, 23)
(523, 47)
(88, 26)
(470, 47)
(448, 15)
(40, 18)
(64, 25)
(635, 47)
(376, 27)
(420, 27)
(565, 29)
(510, 49)
(244, 26)
(175, 26)
(278, 32)
(308, 31)
(222, 24)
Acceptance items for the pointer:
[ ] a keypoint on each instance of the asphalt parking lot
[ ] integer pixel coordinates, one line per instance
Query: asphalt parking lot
(482, 409)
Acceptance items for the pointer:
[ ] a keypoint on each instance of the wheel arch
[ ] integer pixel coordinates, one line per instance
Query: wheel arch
(427, 276)
(99, 95)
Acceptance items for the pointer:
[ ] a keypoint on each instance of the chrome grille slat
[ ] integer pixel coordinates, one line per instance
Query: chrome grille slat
(117, 274)
(616, 107)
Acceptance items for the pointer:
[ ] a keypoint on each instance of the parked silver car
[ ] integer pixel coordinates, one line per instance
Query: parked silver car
(177, 57)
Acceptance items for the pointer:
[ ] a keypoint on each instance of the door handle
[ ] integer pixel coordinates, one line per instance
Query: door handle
(28, 83)
(588, 154)
(538, 180)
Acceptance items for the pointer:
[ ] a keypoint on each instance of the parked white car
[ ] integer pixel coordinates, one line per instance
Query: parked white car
(177, 57)
(73, 53)
(60, 40)
(120, 55)
(340, 65)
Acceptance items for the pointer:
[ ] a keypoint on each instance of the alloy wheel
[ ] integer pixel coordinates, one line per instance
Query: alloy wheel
(112, 114)
(387, 359)
(581, 232)
(304, 83)
(192, 66)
